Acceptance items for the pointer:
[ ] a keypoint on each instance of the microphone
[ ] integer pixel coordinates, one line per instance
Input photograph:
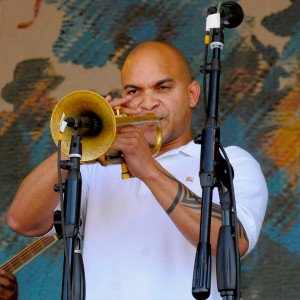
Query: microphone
(229, 14)
(232, 14)
(86, 125)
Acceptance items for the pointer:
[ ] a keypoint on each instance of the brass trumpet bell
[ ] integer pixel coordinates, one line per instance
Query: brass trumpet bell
(96, 147)
(84, 103)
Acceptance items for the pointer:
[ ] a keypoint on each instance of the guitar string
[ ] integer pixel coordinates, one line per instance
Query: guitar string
(28, 253)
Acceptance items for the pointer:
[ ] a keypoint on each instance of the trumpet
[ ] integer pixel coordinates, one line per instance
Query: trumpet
(96, 146)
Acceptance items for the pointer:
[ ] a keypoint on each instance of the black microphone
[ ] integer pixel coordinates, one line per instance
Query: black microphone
(232, 14)
(86, 125)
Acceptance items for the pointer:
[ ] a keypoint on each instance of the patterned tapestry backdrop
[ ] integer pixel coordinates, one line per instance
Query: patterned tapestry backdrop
(53, 47)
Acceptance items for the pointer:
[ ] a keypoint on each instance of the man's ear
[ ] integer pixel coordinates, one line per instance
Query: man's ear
(194, 93)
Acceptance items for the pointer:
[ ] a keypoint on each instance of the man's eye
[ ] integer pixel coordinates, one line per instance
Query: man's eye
(132, 92)
(164, 88)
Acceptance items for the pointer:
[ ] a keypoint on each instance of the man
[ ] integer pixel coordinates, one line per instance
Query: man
(140, 234)
(8, 286)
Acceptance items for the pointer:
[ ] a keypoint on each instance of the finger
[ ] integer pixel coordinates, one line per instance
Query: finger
(130, 129)
(121, 101)
(4, 281)
(129, 139)
(130, 110)
(6, 284)
(128, 106)
(8, 275)
(108, 98)
(7, 294)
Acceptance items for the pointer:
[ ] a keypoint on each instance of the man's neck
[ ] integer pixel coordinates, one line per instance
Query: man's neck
(174, 144)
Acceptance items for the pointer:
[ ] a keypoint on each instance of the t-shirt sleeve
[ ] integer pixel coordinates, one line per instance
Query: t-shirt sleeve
(251, 192)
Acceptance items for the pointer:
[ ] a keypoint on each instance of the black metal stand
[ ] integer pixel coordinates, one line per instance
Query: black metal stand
(73, 286)
(227, 256)
(208, 180)
(214, 172)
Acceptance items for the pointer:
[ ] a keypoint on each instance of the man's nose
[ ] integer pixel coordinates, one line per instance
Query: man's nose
(149, 101)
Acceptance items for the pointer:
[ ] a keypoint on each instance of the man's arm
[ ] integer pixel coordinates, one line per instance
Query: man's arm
(31, 212)
(181, 204)
(184, 207)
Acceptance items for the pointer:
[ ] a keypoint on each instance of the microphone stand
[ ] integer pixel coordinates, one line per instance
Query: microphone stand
(212, 175)
(228, 262)
(73, 286)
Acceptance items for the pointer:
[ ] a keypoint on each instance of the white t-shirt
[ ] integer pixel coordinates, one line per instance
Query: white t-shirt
(132, 249)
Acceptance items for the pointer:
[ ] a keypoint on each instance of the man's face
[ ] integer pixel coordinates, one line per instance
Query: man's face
(158, 85)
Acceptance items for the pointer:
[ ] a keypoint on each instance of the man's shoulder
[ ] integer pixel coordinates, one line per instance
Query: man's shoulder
(193, 149)
(236, 152)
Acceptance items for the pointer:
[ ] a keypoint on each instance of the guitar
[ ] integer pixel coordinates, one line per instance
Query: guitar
(29, 253)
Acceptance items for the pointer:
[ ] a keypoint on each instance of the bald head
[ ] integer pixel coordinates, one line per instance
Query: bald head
(159, 53)
(157, 79)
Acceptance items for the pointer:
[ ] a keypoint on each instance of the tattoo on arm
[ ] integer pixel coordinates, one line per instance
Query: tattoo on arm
(241, 232)
(176, 200)
(191, 200)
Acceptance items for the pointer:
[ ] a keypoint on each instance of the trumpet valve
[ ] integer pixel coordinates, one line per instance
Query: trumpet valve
(117, 110)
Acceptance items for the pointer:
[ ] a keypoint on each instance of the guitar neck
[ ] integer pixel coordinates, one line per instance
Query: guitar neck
(29, 253)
